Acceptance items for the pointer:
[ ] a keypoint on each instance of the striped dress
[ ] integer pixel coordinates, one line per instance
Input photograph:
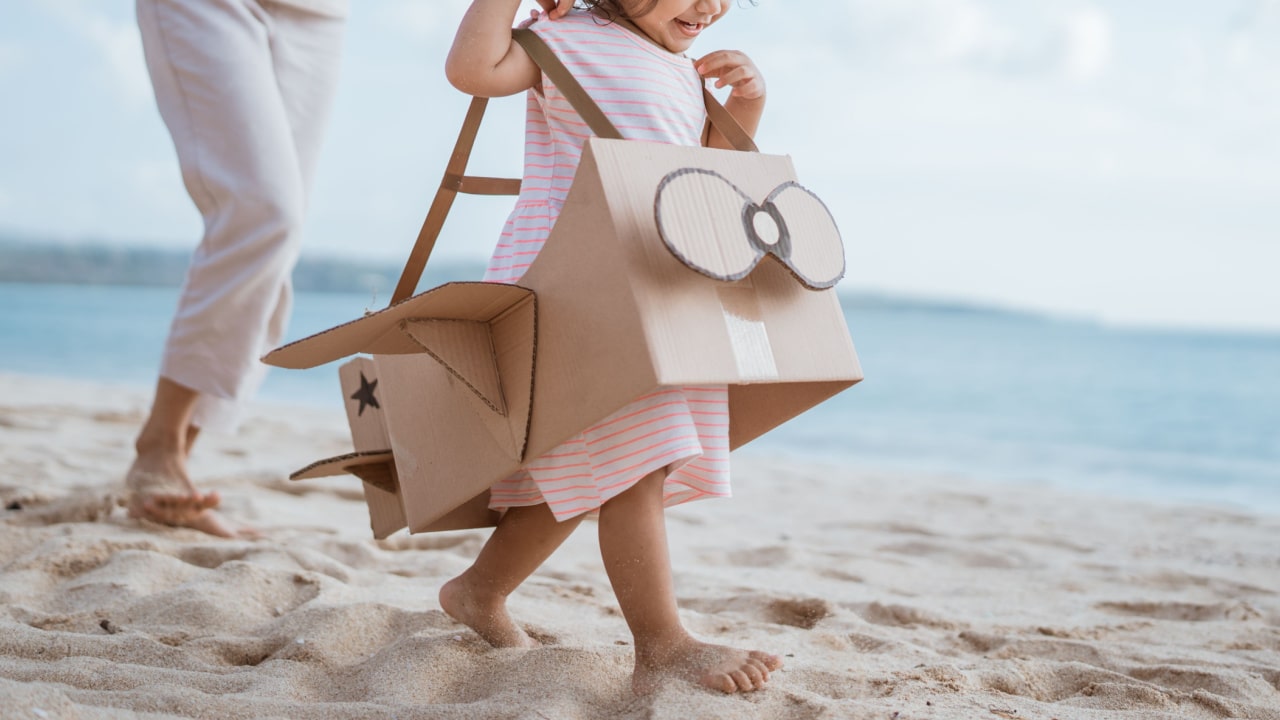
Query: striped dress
(653, 95)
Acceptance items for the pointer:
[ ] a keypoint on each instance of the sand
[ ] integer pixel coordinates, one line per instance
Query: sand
(888, 596)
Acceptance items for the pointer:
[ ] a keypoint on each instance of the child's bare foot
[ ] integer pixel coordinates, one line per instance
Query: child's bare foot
(486, 613)
(717, 667)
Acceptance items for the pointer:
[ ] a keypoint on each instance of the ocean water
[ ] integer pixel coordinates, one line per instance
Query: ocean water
(973, 395)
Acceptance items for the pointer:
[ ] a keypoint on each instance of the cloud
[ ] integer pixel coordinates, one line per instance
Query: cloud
(117, 42)
(1086, 44)
(930, 32)
(1251, 42)
(1058, 38)
(11, 56)
(422, 20)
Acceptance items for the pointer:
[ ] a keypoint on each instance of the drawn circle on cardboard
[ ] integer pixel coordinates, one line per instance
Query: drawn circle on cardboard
(766, 227)
(816, 255)
(701, 219)
(716, 229)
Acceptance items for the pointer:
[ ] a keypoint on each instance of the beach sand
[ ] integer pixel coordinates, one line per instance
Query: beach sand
(887, 596)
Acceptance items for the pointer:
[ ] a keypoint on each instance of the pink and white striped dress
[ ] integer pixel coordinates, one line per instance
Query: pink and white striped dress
(649, 94)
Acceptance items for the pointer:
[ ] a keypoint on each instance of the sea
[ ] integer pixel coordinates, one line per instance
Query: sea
(969, 394)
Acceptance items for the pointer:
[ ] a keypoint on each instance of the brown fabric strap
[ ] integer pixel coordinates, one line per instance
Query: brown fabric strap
(472, 185)
(591, 113)
(456, 181)
(567, 83)
(719, 117)
(728, 126)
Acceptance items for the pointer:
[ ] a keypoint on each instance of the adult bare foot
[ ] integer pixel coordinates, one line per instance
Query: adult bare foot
(717, 667)
(157, 486)
(484, 613)
(189, 511)
(171, 499)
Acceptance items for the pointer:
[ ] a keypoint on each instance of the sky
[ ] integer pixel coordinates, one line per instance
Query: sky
(1115, 161)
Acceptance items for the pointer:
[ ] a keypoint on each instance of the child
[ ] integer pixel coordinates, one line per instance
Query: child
(666, 448)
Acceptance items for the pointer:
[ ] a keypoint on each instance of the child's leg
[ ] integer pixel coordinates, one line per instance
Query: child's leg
(633, 543)
(523, 540)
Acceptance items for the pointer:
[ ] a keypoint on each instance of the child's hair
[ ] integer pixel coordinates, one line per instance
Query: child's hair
(611, 9)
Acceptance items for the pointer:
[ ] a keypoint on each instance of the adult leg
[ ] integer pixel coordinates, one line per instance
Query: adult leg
(633, 543)
(212, 64)
(523, 540)
(306, 50)
(245, 90)
(158, 484)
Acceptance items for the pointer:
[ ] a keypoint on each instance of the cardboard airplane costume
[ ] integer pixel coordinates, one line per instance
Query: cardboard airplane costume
(705, 267)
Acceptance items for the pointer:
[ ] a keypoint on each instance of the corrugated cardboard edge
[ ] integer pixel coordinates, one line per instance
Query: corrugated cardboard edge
(341, 464)
(615, 333)
(378, 333)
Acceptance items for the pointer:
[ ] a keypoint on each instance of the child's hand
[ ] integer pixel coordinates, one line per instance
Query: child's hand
(555, 8)
(734, 68)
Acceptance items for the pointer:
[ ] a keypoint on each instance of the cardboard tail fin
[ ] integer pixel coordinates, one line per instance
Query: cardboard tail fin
(373, 463)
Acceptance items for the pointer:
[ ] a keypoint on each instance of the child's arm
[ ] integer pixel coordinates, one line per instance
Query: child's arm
(484, 61)
(746, 102)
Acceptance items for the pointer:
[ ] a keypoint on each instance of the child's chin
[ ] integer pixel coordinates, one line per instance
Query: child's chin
(678, 45)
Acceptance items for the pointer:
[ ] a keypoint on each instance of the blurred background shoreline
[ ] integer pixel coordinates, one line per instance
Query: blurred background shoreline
(958, 390)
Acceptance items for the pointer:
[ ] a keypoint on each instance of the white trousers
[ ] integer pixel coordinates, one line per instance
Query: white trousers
(245, 88)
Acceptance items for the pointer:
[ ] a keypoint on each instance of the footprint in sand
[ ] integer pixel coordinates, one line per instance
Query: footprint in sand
(1239, 611)
(81, 505)
(463, 543)
(801, 613)
(1176, 580)
(212, 556)
(841, 575)
(902, 616)
(130, 417)
(773, 556)
(866, 644)
(957, 555)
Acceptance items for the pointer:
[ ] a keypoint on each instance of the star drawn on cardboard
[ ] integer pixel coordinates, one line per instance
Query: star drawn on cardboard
(365, 395)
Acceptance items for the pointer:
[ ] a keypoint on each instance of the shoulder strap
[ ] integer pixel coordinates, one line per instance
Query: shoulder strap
(453, 182)
(456, 181)
(551, 66)
(591, 113)
(728, 126)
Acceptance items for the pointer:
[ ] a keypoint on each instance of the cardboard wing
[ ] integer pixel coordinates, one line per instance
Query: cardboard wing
(480, 336)
(667, 266)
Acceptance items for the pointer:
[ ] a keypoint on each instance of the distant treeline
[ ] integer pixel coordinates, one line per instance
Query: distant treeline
(102, 264)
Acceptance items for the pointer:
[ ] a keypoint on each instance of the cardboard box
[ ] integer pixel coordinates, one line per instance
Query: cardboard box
(667, 266)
